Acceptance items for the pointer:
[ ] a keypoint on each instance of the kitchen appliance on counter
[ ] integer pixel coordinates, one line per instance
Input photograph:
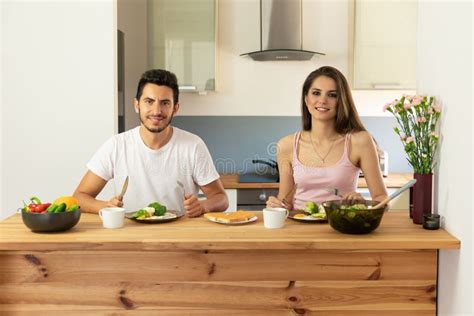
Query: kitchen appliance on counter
(254, 199)
(268, 174)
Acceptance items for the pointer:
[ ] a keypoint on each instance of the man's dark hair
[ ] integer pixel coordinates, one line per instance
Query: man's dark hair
(159, 77)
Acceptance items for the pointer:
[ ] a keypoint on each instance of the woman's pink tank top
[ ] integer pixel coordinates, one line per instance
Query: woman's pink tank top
(311, 181)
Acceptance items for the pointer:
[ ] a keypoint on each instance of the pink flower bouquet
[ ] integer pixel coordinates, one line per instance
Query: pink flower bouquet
(417, 117)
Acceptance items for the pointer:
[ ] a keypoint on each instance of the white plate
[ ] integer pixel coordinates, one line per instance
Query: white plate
(169, 216)
(307, 218)
(250, 220)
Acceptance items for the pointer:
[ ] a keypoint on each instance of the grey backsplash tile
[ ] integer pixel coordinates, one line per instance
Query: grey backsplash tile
(234, 141)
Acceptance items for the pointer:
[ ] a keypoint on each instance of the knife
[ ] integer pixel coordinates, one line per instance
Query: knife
(124, 189)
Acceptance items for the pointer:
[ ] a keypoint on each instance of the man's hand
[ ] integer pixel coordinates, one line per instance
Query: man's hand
(115, 202)
(193, 206)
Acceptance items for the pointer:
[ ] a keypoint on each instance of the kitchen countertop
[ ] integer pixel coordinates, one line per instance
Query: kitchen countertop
(198, 267)
(395, 232)
(231, 181)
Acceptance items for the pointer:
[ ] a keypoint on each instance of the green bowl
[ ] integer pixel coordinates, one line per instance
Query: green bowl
(353, 221)
(51, 222)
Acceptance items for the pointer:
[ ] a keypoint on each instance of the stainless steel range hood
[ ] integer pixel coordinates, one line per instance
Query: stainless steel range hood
(281, 32)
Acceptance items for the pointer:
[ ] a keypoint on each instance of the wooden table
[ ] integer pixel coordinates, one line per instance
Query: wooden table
(196, 267)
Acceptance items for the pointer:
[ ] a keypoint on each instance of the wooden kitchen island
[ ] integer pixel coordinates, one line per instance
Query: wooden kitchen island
(196, 267)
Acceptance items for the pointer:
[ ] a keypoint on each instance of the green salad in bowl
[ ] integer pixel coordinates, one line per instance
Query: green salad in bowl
(354, 217)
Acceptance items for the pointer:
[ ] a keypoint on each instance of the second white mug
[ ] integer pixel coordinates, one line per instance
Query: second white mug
(274, 217)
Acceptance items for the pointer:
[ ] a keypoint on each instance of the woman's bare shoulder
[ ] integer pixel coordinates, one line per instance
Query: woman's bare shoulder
(285, 145)
(362, 138)
(287, 140)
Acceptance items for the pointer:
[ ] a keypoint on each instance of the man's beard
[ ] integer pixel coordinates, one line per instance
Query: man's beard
(156, 130)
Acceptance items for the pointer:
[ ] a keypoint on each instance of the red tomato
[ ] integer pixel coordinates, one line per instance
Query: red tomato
(40, 208)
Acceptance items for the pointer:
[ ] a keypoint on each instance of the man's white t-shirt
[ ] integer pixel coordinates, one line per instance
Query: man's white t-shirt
(153, 174)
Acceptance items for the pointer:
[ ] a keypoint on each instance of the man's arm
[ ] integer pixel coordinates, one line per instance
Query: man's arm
(88, 189)
(216, 200)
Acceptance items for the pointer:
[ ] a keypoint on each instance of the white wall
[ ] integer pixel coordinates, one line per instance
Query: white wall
(58, 101)
(445, 71)
(247, 87)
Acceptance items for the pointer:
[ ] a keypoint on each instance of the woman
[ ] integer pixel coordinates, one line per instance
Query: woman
(330, 150)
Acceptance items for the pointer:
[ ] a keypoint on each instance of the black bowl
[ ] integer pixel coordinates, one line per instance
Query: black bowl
(51, 222)
(353, 221)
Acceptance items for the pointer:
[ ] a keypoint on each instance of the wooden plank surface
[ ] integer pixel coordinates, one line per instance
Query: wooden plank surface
(83, 267)
(305, 295)
(395, 232)
(231, 282)
(231, 181)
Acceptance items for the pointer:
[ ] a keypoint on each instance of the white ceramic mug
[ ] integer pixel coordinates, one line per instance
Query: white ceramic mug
(274, 217)
(112, 217)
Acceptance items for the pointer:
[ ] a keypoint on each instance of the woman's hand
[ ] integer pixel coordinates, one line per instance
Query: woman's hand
(353, 196)
(275, 202)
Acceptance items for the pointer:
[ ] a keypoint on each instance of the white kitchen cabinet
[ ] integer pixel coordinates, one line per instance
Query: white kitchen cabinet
(182, 39)
(232, 196)
(384, 44)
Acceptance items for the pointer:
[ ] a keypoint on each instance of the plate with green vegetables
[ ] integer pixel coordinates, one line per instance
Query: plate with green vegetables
(154, 213)
(312, 212)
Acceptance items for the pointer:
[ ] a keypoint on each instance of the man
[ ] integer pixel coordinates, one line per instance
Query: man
(163, 163)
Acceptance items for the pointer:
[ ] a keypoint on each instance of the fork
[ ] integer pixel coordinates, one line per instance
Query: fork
(333, 191)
